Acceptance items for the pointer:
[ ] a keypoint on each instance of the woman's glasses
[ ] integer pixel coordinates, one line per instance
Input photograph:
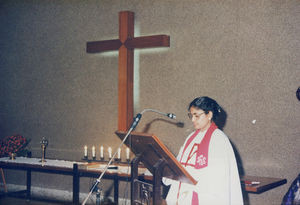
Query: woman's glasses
(196, 115)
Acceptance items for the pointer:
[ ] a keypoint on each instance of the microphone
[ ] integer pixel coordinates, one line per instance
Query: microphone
(169, 115)
(136, 121)
(137, 118)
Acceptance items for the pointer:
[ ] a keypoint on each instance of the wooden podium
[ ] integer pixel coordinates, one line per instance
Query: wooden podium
(156, 157)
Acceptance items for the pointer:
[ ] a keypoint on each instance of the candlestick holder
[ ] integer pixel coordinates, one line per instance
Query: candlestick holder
(94, 158)
(12, 156)
(86, 159)
(118, 160)
(101, 159)
(44, 144)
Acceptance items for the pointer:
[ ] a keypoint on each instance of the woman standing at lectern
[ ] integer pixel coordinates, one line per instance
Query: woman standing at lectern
(208, 157)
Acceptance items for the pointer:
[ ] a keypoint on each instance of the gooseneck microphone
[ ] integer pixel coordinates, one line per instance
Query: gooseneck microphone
(139, 116)
(169, 115)
(135, 122)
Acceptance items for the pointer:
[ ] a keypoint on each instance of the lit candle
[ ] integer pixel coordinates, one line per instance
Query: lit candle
(85, 151)
(109, 152)
(127, 153)
(93, 151)
(101, 152)
(119, 153)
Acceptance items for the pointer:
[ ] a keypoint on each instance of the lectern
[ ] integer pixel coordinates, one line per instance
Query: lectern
(156, 157)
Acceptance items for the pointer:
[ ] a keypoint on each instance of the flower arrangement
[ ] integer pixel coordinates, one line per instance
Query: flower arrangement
(13, 144)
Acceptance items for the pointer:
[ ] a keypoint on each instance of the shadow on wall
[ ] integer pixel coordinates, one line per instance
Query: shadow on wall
(221, 122)
(241, 171)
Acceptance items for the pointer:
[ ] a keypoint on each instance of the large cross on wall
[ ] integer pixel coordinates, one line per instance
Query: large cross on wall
(126, 44)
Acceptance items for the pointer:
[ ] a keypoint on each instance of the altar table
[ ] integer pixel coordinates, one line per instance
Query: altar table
(50, 166)
(252, 184)
(72, 168)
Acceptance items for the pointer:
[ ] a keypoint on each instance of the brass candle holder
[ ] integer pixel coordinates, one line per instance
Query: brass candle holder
(12, 156)
(44, 144)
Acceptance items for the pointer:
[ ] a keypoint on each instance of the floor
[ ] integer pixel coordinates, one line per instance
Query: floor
(9, 200)
(19, 201)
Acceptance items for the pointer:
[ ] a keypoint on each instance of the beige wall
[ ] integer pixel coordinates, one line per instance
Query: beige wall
(245, 54)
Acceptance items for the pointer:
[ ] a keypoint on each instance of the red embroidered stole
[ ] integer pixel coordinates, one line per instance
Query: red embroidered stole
(201, 151)
(187, 144)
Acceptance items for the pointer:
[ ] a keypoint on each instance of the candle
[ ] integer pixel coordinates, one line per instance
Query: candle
(109, 152)
(127, 153)
(85, 151)
(119, 153)
(101, 152)
(93, 151)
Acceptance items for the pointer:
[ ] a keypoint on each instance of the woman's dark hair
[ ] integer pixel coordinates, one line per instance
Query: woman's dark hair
(206, 104)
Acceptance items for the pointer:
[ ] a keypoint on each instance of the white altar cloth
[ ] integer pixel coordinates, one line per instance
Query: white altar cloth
(36, 161)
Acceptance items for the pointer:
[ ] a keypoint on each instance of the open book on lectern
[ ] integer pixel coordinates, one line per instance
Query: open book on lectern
(151, 150)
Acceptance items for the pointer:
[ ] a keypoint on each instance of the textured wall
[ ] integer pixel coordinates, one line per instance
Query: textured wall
(245, 54)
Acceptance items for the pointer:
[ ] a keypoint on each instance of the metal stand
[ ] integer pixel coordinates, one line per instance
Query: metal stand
(134, 124)
(98, 194)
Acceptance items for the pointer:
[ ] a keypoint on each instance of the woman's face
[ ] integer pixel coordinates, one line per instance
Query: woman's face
(200, 120)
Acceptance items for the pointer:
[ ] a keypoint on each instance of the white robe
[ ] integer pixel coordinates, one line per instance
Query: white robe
(218, 183)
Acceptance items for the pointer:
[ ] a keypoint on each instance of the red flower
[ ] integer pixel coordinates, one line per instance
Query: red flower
(12, 144)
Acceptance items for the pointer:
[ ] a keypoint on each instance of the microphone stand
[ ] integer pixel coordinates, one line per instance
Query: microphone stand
(134, 124)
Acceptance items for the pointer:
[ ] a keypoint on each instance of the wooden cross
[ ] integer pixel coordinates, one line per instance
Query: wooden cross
(126, 44)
